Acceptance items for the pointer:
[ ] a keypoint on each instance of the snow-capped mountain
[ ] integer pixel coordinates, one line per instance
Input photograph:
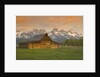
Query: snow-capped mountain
(61, 35)
(56, 35)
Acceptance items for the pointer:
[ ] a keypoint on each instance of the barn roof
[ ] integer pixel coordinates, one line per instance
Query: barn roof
(37, 38)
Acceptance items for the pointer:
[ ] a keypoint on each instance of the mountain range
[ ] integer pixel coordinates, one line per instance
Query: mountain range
(55, 35)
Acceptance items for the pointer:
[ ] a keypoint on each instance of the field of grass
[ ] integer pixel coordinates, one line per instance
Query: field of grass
(68, 53)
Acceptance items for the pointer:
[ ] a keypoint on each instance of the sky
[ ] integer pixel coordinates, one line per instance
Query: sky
(27, 23)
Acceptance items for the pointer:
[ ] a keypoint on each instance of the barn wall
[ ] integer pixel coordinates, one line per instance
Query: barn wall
(23, 45)
(46, 44)
(55, 45)
(30, 45)
(36, 45)
(43, 44)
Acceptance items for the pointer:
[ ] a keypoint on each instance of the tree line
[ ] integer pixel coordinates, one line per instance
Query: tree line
(73, 42)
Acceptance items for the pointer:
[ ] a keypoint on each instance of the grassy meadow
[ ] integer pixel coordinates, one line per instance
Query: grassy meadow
(64, 53)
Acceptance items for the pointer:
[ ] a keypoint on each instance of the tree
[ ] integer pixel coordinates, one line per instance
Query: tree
(73, 42)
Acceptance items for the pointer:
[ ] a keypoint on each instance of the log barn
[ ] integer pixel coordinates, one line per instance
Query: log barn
(43, 41)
